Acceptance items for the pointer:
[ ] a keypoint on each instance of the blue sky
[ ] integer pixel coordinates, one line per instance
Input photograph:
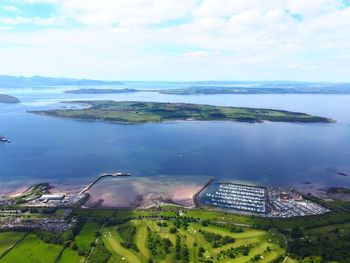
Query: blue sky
(27, 9)
(176, 39)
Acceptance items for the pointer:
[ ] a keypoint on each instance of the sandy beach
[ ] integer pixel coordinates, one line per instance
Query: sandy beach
(145, 191)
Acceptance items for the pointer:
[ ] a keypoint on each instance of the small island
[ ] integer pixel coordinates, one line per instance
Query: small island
(141, 112)
(8, 99)
(100, 91)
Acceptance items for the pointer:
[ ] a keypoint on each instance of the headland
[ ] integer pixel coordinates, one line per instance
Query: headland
(8, 99)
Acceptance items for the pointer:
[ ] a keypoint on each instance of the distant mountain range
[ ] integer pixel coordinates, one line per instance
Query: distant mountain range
(40, 81)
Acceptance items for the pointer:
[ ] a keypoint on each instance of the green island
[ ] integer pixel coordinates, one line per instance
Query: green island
(141, 112)
(173, 234)
(8, 99)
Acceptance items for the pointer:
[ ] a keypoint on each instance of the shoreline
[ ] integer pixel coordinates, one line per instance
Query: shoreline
(143, 192)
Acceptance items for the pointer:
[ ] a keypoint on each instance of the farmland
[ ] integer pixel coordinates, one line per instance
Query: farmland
(8, 239)
(71, 256)
(31, 250)
(86, 236)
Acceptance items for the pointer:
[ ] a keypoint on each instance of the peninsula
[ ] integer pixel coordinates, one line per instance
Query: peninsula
(264, 89)
(8, 99)
(141, 112)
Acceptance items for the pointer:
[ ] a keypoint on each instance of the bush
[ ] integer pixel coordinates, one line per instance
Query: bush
(217, 240)
(100, 254)
(127, 233)
(173, 230)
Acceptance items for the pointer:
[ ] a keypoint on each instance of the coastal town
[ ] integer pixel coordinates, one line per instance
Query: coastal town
(21, 211)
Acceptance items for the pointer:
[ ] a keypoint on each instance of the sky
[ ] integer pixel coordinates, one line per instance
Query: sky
(177, 39)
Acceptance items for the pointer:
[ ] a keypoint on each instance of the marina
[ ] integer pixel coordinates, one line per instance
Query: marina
(272, 202)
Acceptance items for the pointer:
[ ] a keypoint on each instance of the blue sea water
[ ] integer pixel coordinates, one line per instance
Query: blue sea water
(64, 151)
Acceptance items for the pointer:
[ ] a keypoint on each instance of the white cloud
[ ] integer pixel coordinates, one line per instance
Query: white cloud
(125, 13)
(13, 21)
(9, 8)
(226, 39)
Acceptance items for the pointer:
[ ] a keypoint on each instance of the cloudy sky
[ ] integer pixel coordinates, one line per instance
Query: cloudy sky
(177, 39)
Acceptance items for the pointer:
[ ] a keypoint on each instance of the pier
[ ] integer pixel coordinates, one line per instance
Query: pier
(195, 201)
(100, 177)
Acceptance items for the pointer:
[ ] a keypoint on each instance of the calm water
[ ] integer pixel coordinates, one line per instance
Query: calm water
(66, 151)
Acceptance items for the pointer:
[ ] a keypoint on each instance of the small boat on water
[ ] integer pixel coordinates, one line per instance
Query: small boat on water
(3, 139)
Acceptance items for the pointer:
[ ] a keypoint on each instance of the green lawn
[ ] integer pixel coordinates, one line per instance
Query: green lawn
(7, 239)
(141, 238)
(32, 250)
(112, 241)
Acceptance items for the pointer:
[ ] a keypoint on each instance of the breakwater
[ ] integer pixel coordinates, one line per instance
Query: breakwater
(100, 177)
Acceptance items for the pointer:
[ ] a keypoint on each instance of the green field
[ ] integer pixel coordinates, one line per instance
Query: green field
(140, 112)
(7, 239)
(32, 250)
(71, 256)
(87, 235)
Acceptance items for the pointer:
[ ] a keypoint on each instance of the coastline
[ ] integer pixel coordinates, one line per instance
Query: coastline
(146, 192)
(141, 192)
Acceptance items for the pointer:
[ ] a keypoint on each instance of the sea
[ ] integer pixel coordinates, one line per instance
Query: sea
(73, 152)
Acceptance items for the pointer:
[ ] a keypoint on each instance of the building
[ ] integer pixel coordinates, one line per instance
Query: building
(51, 197)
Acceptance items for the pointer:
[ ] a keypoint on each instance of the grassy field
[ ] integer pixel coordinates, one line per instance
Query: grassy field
(32, 250)
(87, 235)
(71, 256)
(7, 239)
(139, 112)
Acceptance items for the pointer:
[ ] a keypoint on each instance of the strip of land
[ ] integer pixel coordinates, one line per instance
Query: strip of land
(212, 90)
(141, 112)
(100, 91)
